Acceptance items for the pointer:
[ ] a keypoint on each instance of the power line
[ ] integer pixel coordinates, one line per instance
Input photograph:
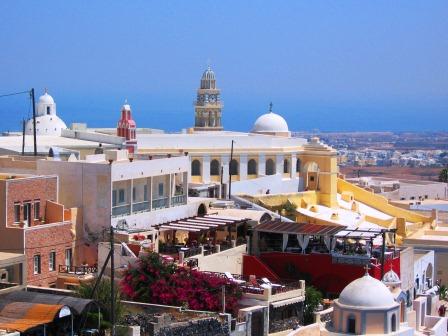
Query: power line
(13, 94)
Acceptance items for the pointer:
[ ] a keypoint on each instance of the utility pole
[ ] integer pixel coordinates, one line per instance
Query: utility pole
(230, 170)
(34, 121)
(112, 281)
(222, 185)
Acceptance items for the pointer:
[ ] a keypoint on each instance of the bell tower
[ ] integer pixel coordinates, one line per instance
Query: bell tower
(126, 128)
(208, 105)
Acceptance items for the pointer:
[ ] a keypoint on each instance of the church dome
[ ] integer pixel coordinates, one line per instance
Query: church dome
(270, 123)
(391, 278)
(366, 292)
(46, 99)
(46, 125)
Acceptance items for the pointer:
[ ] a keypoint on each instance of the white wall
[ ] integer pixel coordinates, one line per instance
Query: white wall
(226, 261)
(275, 183)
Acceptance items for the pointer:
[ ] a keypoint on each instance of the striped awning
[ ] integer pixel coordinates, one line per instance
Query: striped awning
(201, 223)
(276, 226)
(22, 316)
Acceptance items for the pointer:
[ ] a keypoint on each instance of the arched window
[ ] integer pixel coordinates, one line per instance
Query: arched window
(214, 168)
(298, 166)
(195, 168)
(234, 169)
(48, 109)
(252, 167)
(393, 323)
(286, 166)
(270, 167)
(351, 325)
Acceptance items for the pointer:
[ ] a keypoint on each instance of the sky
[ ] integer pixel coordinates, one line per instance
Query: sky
(329, 65)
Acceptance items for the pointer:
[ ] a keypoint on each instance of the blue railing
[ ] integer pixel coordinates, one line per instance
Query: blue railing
(121, 210)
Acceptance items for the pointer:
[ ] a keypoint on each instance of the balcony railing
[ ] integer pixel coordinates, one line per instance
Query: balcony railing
(77, 270)
(121, 210)
(160, 203)
(179, 200)
(140, 206)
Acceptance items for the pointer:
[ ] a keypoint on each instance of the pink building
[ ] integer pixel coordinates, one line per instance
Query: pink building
(126, 128)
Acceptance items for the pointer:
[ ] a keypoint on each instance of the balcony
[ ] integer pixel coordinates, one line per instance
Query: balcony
(121, 210)
(77, 270)
(179, 200)
(140, 207)
(160, 203)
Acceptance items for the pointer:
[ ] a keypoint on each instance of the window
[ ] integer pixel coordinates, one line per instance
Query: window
(298, 166)
(27, 213)
(134, 194)
(145, 193)
(234, 167)
(252, 167)
(285, 166)
(160, 189)
(52, 261)
(36, 262)
(48, 109)
(68, 257)
(351, 325)
(214, 168)
(17, 213)
(121, 196)
(195, 168)
(114, 197)
(270, 167)
(311, 178)
(36, 209)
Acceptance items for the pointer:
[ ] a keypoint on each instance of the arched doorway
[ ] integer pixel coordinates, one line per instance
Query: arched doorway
(298, 163)
(202, 210)
(270, 167)
(393, 323)
(195, 168)
(234, 169)
(429, 273)
(252, 167)
(351, 325)
(311, 172)
(214, 168)
(286, 166)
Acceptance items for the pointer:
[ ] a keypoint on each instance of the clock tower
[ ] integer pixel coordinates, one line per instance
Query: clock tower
(208, 104)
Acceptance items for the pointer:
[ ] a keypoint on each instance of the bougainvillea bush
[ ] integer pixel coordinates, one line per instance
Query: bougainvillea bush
(154, 280)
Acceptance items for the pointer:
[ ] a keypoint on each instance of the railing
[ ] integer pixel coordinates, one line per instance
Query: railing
(160, 203)
(168, 249)
(121, 210)
(140, 206)
(286, 287)
(355, 259)
(77, 270)
(179, 200)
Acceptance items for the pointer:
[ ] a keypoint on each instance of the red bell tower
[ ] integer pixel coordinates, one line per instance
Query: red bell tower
(126, 128)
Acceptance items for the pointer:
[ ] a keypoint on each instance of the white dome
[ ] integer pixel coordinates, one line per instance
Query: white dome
(366, 292)
(391, 278)
(46, 99)
(49, 124)
(271, 123)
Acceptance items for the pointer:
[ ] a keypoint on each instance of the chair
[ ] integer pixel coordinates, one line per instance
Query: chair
(267, 282)
(232, 279)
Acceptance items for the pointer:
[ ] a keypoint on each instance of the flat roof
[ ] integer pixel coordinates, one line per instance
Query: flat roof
(5, 256)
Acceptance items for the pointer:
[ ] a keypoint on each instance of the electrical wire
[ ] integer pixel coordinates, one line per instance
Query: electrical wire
(13, 94)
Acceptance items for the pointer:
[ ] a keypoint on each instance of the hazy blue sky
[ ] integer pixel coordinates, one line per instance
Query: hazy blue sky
(333, 65)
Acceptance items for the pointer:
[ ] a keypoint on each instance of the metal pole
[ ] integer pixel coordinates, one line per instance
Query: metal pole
(23, 137)
(383, 251)
(34, 121)
(112, 280)
(230, 171)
